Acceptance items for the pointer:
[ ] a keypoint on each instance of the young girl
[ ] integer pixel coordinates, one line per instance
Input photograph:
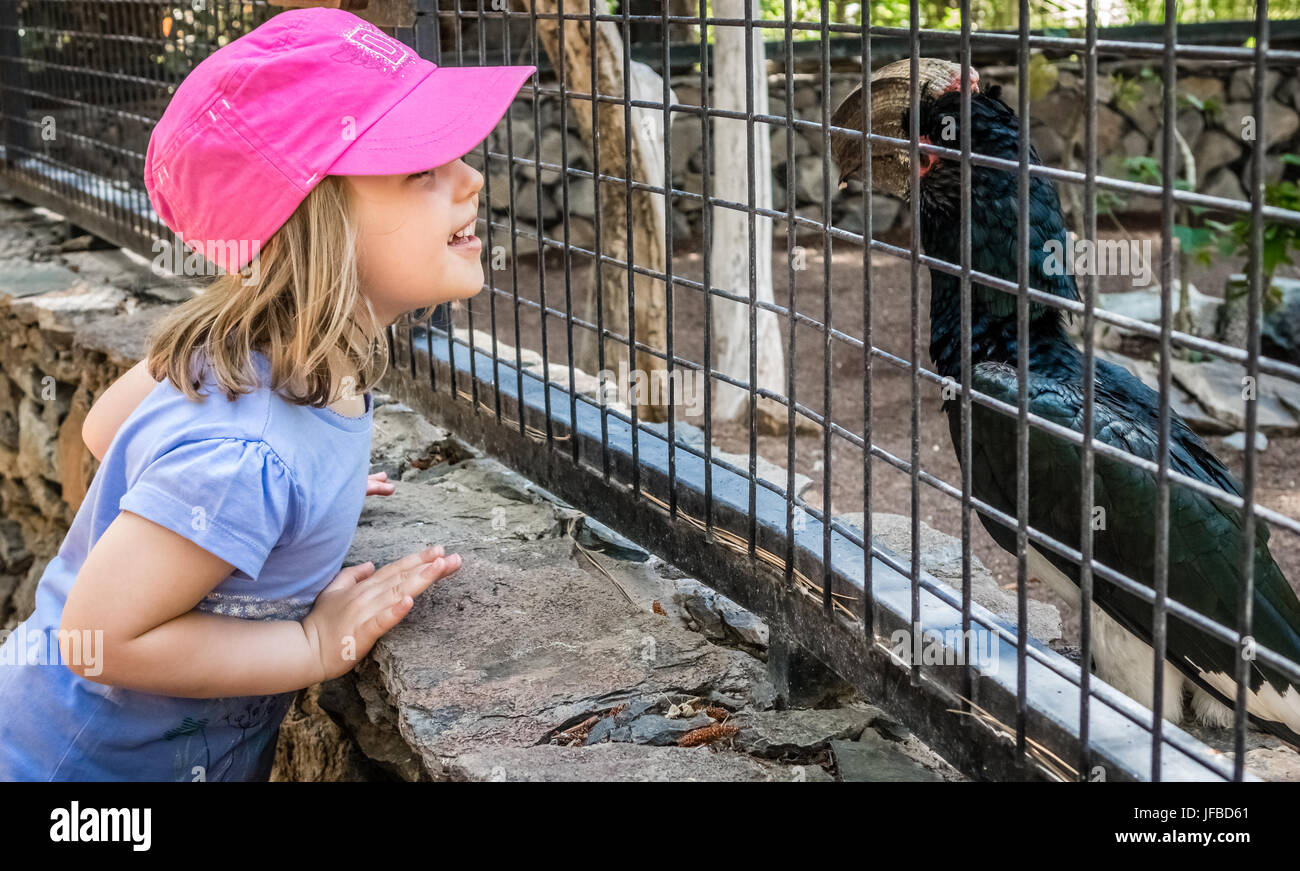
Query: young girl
(199, 587)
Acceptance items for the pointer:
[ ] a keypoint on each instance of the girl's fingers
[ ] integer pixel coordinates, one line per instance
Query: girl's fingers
(385, 605)
(450, 565)
(379, 485)
(350, 576)
(385, 616)
(411, 561)
(412, 582)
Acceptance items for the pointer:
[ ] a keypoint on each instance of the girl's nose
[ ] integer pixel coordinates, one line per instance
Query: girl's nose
(476, 178)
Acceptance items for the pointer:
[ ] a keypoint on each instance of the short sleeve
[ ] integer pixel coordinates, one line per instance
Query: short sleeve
(232, 497)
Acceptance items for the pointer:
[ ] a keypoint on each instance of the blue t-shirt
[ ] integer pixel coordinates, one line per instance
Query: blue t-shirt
(273, 488)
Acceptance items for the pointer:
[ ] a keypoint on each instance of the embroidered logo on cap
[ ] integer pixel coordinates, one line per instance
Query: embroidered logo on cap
(370, 47)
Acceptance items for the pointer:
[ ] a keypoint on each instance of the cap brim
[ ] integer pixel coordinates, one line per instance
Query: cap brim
(443, 118)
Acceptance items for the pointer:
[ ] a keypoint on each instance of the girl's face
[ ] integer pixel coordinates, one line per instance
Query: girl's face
(406, 256)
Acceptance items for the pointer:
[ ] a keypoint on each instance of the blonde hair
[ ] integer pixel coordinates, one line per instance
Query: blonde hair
(302, 309)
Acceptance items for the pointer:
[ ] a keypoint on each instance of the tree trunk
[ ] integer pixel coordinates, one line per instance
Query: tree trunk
(730, 249)
(643, 163)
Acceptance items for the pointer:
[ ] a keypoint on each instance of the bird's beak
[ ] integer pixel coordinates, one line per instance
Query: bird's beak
(890, 97)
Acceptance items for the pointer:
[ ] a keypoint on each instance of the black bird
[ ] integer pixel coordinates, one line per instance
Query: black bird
(1205, 553)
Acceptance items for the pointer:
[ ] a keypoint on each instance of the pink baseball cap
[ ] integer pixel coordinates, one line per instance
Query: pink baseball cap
(311, 92)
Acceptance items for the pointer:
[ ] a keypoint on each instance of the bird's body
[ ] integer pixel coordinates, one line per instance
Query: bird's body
(1205, 540)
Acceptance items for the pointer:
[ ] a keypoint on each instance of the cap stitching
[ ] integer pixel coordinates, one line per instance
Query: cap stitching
(390, 143)
(360, 136)
(236, 122)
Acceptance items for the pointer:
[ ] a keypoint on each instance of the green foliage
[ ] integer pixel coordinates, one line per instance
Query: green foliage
(1127, 91)
(1047, 15)
(1190, 11)
(1196, 241)
(1212, 108)
(1143, 168)
(1227, 239)
(1280, 240)
(1109, 201)
(1042, 76)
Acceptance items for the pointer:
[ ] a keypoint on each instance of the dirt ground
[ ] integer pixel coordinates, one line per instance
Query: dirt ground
(1278, 466)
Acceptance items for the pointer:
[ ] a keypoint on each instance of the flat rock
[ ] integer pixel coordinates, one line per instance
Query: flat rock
(518, 643)
(1237, 441)
(479, 503)
(873, 759)
(526, 640)
(660, 731)
(719, 618)
(624, 762)
(1144, 305)
(496, 665)
(797, 732)
(22, 277)
(1267, 757)
(400, 435)
(1218, 386)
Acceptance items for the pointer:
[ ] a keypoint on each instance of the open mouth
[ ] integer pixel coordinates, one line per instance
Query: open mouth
(463, 238)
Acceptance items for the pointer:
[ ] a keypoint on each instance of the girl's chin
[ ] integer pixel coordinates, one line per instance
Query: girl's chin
(467, 293)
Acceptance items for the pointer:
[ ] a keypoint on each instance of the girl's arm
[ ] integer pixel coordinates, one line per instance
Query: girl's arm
(115, 406)
(131, 611)
(132, 605)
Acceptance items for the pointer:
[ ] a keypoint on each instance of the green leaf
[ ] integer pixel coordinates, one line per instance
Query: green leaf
(1042, 77)
(1275, 252)
(1142, 168)
(1192, 239)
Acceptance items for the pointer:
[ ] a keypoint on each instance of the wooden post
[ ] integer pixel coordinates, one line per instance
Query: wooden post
(730, 252)
(643, 163)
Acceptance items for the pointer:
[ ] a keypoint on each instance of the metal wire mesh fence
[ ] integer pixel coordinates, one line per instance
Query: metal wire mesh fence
(635, 351)
(84, 83)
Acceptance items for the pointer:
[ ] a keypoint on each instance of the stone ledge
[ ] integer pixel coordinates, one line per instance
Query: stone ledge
(544, 659)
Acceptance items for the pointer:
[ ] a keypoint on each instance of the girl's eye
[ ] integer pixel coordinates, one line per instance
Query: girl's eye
(425, 174)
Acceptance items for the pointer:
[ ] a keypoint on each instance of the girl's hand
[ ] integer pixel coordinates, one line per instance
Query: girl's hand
(378, 485)
(361, 604)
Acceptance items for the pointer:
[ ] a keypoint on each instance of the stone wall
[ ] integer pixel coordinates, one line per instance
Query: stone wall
(1128, 125)
(62, 343)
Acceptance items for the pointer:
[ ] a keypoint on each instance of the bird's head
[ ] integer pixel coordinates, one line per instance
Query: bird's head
(994, 132)
(890, 93)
